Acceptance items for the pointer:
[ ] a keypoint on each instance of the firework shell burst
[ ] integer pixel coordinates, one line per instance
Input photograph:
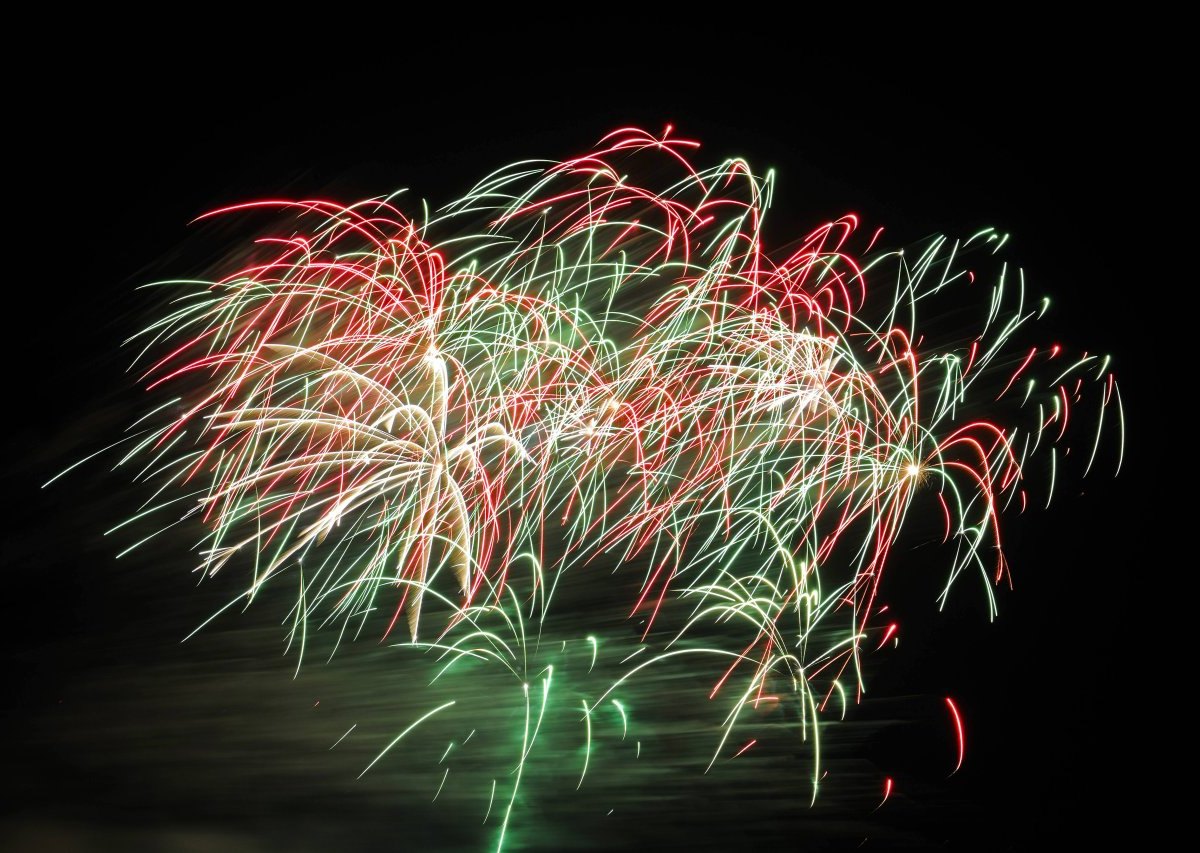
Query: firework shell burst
(437, 427)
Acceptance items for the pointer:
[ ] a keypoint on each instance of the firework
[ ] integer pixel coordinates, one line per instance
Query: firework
(598, 368)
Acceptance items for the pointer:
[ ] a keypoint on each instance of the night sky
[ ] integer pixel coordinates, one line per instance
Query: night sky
(117, 736)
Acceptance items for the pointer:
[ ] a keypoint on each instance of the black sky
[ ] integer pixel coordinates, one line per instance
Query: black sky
(119, 156)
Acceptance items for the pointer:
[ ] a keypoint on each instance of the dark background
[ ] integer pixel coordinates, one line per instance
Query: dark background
(118, 157)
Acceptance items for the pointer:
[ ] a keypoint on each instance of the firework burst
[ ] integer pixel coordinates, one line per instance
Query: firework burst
(598, 365)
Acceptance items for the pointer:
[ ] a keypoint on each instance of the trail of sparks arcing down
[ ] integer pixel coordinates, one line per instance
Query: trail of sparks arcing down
(455, 419)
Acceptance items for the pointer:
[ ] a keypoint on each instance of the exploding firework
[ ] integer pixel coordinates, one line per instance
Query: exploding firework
(598, 368)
